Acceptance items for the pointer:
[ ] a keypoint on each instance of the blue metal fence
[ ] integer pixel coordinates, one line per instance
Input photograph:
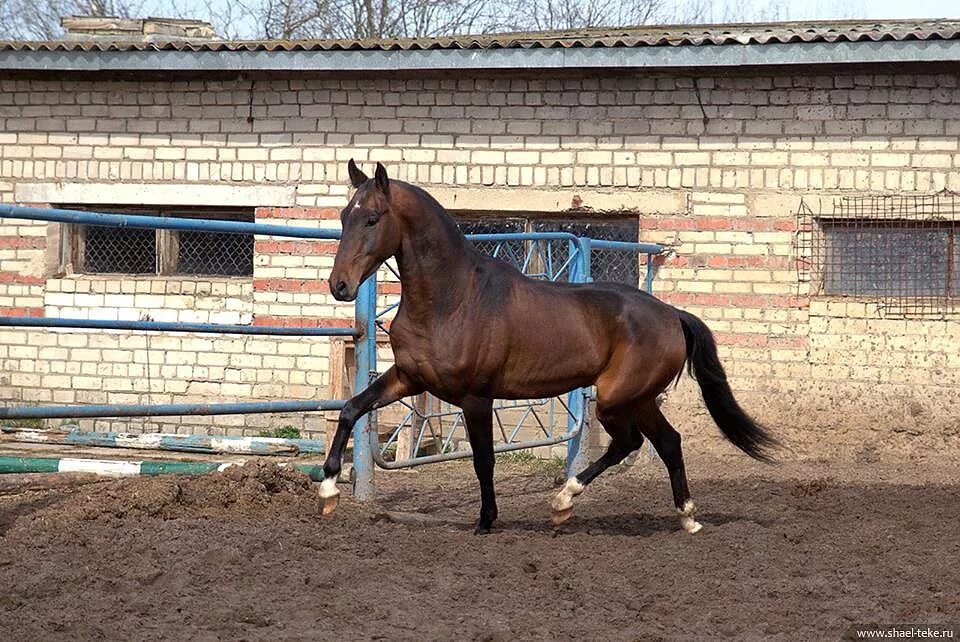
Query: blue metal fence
(554, 256)
(575, 261)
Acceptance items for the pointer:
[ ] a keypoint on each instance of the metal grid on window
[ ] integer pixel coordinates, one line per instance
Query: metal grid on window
(605, 265)
(510, 251)
(106, 250)
(899, 253)
(118, 250)
(214, 253)
(206, 253)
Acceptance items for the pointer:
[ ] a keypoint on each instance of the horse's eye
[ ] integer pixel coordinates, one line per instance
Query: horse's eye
(374, 218)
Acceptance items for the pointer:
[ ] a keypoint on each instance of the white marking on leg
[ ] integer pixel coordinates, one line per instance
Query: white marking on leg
(328, 488)
(564, 499)
(686, 517)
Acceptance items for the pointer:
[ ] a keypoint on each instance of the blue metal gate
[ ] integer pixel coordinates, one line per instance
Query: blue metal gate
(552, 256)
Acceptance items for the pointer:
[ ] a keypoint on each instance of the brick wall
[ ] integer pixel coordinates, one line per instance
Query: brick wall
(722, 182)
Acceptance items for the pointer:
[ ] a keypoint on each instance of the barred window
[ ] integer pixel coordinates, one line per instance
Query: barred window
(112, 250)
(898, 253)
(616, 266)
(605, 265)
(891, 260)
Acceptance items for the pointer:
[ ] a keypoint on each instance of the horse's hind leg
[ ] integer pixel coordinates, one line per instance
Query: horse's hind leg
(624, 439)
(666, 440)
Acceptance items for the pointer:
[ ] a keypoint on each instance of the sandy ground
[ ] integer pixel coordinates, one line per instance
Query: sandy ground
(804, 550)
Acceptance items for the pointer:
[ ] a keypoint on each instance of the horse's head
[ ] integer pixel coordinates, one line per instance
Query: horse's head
(371, 233)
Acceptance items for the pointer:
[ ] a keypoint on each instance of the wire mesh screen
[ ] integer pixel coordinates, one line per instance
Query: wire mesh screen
(605, 265)
(509, 251)
(900, 253)
(213, 253)
(113, 250)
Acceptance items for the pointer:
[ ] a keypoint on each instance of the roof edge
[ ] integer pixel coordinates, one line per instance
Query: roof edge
(401, 60)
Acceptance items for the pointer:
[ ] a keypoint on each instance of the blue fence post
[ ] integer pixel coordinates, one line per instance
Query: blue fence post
(577, 399)
(366, 355)
(649, 280)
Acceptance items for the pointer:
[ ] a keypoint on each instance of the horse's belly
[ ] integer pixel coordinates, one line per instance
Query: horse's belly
(549, 364)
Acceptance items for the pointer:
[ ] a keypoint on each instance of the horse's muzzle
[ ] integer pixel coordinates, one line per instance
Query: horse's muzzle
(341, 291)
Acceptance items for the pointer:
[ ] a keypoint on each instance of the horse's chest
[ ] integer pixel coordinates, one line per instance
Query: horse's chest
(440, 361)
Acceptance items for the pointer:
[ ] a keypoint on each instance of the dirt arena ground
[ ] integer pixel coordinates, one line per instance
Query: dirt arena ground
(805, 550)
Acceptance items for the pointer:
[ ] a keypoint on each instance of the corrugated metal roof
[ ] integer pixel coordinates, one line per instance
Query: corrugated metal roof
(645, 36)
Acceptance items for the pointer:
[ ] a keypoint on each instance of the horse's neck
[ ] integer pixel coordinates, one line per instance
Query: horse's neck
(435, 263)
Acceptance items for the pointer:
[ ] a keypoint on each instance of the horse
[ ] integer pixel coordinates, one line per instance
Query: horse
(470, 329)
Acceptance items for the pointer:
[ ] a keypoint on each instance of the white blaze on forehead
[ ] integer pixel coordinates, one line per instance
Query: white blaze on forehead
(354, 205)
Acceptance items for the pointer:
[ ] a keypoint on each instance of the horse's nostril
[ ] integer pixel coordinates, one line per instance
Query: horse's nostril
(341, 287)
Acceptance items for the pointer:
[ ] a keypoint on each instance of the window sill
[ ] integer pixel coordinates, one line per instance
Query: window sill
(125, 284)
(105, 276)
(853, 307)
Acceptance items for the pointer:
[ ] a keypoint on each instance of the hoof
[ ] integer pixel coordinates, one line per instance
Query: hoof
(482, 530)
(329, 496)
(686, 518)
(692, 526)
(562, 504)
(560, 516)
(329, 504)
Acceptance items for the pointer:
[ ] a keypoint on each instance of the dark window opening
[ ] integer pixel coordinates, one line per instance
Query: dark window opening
(890, 260)
(900, 254)
(128, 251)
(112, 250)
(605, 265)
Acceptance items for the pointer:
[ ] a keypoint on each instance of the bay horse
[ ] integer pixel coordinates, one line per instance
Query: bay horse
(470, 329)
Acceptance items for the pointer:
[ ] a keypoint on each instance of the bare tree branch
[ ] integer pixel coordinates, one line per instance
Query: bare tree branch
(348, 19)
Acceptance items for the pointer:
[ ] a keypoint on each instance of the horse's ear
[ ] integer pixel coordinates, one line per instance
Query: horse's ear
(380, 178)
(357, 177)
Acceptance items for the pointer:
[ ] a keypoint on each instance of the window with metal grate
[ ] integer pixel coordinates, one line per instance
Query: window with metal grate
(605, 265)
(900, 253)
(110, 250)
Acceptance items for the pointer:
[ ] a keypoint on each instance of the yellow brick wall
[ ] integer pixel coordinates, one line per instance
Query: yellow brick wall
(721, 183)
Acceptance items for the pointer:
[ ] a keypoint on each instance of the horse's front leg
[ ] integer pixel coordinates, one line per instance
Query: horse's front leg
(389, 387)
(478, 416)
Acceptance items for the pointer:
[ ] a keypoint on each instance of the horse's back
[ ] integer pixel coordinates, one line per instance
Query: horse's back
(564, 335)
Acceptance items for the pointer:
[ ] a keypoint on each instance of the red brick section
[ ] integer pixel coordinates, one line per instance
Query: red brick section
(735, 300)
(22, 242)
(21, 279)
(15, 278)
(21, 312)
(315, 213)
(302, 322)
(295, 247)
(728, 261)
(312, 286)
(719, 224)
(291, 285)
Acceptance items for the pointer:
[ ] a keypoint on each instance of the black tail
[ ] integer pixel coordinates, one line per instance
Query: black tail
(704, 364)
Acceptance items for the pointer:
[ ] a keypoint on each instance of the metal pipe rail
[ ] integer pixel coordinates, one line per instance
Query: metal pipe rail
(125, 468)
(136, 221)
(379, 459)
(167, 409)
(174, 326)
(161, 441)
